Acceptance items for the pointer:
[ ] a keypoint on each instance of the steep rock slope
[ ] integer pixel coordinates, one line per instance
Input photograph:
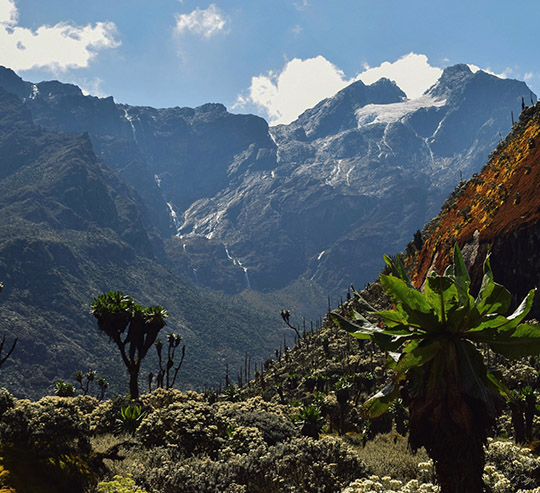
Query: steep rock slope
(245, 206)
(356, 175)
(71, 229)
(496, 210)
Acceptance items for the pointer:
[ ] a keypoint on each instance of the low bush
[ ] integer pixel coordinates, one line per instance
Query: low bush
(299, 465)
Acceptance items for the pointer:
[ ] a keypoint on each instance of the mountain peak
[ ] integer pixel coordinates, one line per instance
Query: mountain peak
(338, 113)
(452, 78)
(54, 88)
(459, 70)
(11, 82)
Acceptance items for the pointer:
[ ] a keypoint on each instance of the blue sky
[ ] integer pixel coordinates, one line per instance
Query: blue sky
(273, 58)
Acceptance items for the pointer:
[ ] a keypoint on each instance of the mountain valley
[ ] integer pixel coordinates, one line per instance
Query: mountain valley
(218, 217)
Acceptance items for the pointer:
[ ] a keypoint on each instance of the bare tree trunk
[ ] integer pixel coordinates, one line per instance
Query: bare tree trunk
(134, 382)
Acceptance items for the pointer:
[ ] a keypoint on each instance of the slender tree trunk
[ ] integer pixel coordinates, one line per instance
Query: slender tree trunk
(134, 382)
(518, 422)
(530, 411)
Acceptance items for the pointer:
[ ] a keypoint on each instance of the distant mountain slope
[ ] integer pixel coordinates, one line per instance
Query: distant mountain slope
(71, 229)
(164, 203)
(244, 206)
(355, 176)
(497, 210)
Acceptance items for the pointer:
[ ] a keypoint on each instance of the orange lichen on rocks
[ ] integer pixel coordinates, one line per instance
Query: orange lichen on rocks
(502, 199)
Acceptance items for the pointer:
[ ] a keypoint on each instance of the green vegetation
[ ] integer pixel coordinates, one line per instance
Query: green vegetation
(119, 484)
(116, 312)
(63, 389)
(452, 398)
(4, 359)
(164, 378)
(130, 418)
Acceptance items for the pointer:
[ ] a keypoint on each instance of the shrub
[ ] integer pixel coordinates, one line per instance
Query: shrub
(271, 419)
(299, 465)
(189, 427)
(119, 484)
(161, 398)
(389, 455)
(512, 465)
(50, 426)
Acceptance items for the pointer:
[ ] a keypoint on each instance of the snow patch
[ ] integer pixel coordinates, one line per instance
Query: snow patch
(239, 263)
(248, 283)
(173, 215)
(130, 119)
(35, 91)
(390, 113)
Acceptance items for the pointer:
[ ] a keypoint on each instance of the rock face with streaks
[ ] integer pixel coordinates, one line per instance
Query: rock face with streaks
(497, 210)
(160, 202)
(241, 205)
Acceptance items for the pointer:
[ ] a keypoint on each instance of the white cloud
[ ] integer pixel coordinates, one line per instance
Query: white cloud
(91, 87)
(302, 84)
(301, 5)
(57, 47)
(296, 30)
(503, 75)
(204, 22)
(412, 73)
(8, 13)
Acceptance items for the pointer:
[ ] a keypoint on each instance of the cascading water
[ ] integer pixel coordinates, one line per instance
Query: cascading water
(239, 263)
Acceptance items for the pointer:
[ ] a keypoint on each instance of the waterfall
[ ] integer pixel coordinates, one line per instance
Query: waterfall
(237, 262)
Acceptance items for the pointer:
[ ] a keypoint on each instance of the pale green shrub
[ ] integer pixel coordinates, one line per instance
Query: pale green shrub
(271, 419)
(189, 427)
(119, 484)
(376, 484)
(510, 467)
(161, 398)
(390, 455)
(299, 465)
(51, 426)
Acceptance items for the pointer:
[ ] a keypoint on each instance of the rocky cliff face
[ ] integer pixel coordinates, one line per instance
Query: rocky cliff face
(355, 176)
(496, 210)
(71, 229)
(244, 206)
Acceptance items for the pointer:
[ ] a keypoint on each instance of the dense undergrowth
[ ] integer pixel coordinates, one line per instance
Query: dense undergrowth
(296, 426)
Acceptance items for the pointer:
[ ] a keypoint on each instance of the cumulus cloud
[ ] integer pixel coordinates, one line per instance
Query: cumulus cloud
(301, 84)
(412, 73)
(8, 13)
(91, 87)
(57, 47)
(207, 22)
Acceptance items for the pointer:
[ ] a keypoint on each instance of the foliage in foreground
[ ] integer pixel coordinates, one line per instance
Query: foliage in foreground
(187, 444)
(183, 444)
(453, 399)
(509, 468)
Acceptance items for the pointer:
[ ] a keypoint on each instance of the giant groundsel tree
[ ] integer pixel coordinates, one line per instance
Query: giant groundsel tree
(132, 327)
(432, 337)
